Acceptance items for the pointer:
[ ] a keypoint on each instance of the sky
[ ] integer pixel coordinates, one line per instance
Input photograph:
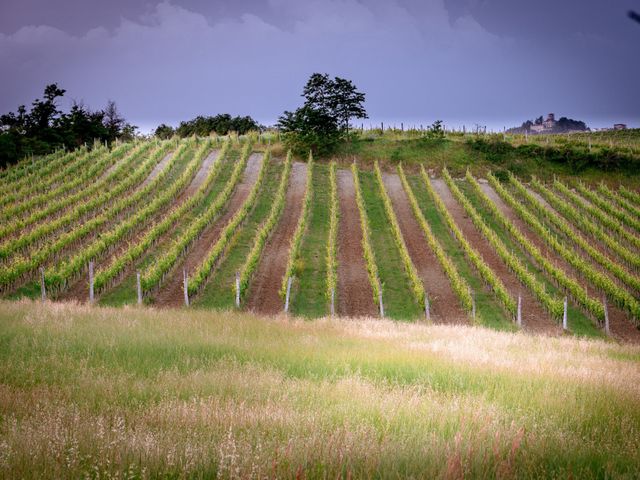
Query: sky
(467, 62)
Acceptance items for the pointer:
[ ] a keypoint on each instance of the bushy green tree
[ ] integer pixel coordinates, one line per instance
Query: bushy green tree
(435, 130)
(164, 131)
(310, 129)
(220, 124)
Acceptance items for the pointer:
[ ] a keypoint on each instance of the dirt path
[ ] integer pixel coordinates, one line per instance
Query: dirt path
(534, 317)
(156, 170)
(263, 292)
(171, 292)
(355, 296)
(200, 177)
(445, 305)
(620, 325)
(79, 290)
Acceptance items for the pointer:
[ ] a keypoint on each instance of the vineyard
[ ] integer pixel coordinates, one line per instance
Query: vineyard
(236, 223)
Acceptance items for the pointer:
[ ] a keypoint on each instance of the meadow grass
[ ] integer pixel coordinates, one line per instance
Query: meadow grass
(391, 151)
(125, 292)
(457, 155)
(490, 313)
(577, 320)
(308, 296)
(133, 393)
(397, 298)
(219, 290)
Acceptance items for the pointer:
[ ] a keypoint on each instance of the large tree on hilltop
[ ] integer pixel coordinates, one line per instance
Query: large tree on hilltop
(324, 118)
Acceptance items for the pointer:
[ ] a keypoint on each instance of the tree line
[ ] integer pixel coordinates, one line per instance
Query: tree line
(44, 127)
(319, 125)
(202, 126)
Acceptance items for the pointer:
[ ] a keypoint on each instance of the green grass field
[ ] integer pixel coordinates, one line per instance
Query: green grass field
(456, 153)
(128, 393)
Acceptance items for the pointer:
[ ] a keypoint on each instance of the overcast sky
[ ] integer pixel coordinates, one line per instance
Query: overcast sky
(491, 62)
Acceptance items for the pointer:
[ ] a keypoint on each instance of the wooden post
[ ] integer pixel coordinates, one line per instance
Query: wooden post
(139, 288)
(381, 305)
(427, 308)
(286, 301)
(519, 318)
(91, 281)
(43, 290)
(333, 302)
(606, 315)
(185, 284)
(564, 315)
(238, 289)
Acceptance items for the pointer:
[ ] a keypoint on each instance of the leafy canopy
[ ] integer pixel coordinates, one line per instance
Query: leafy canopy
(323, 120)
(45, 127)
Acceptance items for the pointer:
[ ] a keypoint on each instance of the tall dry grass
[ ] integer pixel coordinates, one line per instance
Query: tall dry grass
(92, 392)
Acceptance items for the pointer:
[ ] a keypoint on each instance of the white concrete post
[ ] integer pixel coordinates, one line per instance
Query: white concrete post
(91, 281)
(185, 282)
(564, 315)
(139, 288)
(473, 305)
(286, 301)
(381, 305)
(238, 289)
(519, 320)
(43, 290)
(427, 308)
(606, 314)
(333, 302)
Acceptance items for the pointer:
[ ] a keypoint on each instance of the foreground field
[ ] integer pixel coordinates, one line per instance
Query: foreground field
(140, 393)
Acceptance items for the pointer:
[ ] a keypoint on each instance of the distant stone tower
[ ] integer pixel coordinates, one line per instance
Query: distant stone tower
(550, 122)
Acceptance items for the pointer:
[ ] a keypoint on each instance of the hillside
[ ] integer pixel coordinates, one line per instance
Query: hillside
(148, 393)
(404, 240)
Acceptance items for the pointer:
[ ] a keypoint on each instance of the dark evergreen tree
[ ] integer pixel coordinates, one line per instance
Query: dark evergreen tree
(45, 127)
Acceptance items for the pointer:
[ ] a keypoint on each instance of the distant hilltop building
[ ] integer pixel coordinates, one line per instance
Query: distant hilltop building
(616, 126)
(550, 125)
(545, 126)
